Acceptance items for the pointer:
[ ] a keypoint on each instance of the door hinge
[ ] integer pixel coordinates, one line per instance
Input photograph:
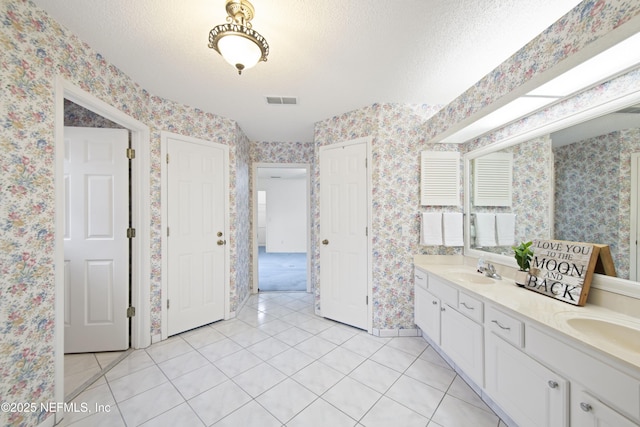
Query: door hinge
(131, 153)
(167, 231)
(367, 299)
(167, 158)
(366, 231)
(167, 304)
(131, 311)
(131, 233)
(366, 162)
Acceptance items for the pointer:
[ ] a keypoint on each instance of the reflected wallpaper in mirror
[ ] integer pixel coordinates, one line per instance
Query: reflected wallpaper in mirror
(574, 185)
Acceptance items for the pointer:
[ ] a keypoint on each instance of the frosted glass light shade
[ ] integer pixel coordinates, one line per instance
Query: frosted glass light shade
(238, 50)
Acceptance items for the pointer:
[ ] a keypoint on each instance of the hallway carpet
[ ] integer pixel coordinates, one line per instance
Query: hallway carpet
(281, 271)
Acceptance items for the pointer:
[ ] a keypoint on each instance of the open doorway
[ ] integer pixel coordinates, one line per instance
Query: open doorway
(70, 100)
(281, 227)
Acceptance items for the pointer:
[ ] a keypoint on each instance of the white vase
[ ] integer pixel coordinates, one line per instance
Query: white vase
(521, 277)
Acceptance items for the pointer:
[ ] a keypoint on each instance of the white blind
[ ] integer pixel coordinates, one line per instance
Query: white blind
(492, 180)
(440, 178)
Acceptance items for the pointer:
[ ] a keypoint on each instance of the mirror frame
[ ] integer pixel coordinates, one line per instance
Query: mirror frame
(611, 284)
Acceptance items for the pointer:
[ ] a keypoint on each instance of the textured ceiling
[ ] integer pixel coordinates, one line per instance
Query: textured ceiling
(335, 56)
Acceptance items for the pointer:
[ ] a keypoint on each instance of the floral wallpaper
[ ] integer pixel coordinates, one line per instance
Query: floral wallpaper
(589, 21)
(77, 116)
(531, 188)
(396, 145)
(593, 192)
(34, 49)
(281, 152)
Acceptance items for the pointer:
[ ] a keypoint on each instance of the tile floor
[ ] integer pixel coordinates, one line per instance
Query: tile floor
(278, 364)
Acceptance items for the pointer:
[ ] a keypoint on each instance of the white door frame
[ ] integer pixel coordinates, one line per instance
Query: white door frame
(141, 322)
(363, 140)
(254, 228)
(164, 136)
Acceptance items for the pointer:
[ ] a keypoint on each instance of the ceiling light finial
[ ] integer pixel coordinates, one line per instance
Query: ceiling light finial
(236, 41)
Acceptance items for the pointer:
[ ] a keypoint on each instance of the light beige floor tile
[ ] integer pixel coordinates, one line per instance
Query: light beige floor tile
(416, 395)
(286, 400)
(315, 347)
(364, 345)
(375, 375)
(259, 379)
(218, 402)
(199, 381)
(318, 377)
(290, 361)
(412, 345)
(387, 412)
(342, 360)
(169, 349)
(293, 336)
(135, 361)
(250, 415)
(219, 349)
(237, 363)
(183, 364)
(454, 412)
(321, 414)
(149, 404)
(268, 348)
(433, 375)
(140, 381)
(352, 397)
(462, 391)
(393, 358)
(181, 415)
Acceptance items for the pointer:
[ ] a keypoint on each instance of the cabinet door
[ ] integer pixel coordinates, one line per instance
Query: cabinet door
(587, 411)
(427, 313)
(530, 393)
(462, 340)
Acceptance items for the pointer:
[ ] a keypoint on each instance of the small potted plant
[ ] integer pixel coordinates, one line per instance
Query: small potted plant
(523, 254)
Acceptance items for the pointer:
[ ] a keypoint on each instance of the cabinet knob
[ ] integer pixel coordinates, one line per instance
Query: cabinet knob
(434, 302)
(585, 406)
(553, 384)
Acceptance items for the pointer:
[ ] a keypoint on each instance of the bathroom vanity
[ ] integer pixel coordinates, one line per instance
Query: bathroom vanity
(535, 360)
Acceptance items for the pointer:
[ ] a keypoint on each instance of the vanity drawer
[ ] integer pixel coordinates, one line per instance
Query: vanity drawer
(420, 278)
(447, 294)
(612, 386)
(506, 326)
(470, 307)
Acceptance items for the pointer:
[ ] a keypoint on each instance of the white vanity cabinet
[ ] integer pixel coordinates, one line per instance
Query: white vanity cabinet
(453, 321)
(602, 393)
(462, 340)
(528, 368)
(427, 307)
(529, 392)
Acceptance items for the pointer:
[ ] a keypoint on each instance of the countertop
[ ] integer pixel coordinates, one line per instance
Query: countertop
(536, 307)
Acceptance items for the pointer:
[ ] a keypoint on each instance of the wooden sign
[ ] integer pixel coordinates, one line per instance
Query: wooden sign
(563, 270)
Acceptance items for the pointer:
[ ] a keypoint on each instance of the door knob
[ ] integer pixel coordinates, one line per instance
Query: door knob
(221, 242)
(325, 242)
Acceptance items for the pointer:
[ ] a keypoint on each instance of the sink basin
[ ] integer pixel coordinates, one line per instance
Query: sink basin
(475, 278)
(623, 336)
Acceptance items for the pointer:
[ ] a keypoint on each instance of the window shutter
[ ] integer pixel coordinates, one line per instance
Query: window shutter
(492, 180)
(440, 178)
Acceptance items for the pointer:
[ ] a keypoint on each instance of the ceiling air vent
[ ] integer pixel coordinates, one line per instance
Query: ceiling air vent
(282, 100)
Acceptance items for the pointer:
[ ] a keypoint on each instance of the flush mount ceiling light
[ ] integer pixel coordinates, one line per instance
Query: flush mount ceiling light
(236, 41)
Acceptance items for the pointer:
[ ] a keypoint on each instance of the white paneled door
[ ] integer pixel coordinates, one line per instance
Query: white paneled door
(343, 233)
(197, 241)
(96, 247)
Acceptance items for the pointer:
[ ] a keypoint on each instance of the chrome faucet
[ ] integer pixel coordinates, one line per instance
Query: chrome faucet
(490, 271)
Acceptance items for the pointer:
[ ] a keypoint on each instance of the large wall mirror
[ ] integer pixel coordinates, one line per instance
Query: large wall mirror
(573, 179)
